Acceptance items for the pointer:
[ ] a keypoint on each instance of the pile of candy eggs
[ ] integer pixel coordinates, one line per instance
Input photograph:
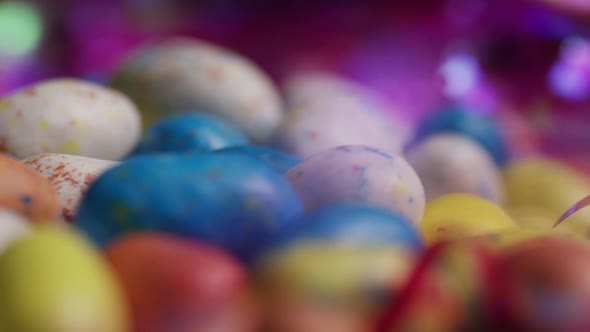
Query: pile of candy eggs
(237, 211)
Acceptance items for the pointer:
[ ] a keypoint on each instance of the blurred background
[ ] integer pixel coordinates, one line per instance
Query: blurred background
(526, 61)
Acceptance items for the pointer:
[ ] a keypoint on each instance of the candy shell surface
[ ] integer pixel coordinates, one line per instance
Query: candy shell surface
(456, 216)
(449, 163)
(280, 161)
(180, 74)
(359, 174)
(68, 116)
(52, 280)
(12, 227)
(189, 132)
(226, 199)
(26, 192)
(69, 175)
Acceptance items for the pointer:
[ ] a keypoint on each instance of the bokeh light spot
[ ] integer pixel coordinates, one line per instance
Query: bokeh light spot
(20, 28)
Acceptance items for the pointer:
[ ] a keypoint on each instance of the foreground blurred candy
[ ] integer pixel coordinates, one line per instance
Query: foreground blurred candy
(359, 174)
(174, 284)
(180, 74)
(68, 116)
(280, 161)
(12, 227)
(478, 127)
(26, 192)
(226, 199)
(456, 216)
(332, 269)
(448, 163)
(69, 175)
(192, 132)
(335, 112)
(550, 188)
(52, 280)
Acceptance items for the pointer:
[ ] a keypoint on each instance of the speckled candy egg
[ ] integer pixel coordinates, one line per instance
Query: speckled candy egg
(448, 163)
(359, 174)
(230, 200)
(280, 161)
(180, 74)
(12, 227)
(332, 269)
(175, 284)
(190, 132)
(69, 175)
(476, 126)
(26, 192)
(345, 114)
(68, 116)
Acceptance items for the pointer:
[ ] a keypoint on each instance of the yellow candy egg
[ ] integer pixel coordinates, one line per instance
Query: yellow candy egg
(549, 188)
(52, 280)
(456, 216)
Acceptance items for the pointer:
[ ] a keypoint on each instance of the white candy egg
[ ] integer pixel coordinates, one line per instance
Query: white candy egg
(12, 227)
(68, 116)
(448, 163)
(359, 174)
(69, 175)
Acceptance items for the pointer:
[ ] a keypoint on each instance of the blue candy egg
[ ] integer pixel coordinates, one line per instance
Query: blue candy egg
(225, 199)
(191, 132)
(475, 126)
(354, 225)
(278, 160)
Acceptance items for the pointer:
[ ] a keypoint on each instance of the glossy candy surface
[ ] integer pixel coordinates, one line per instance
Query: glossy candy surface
(190, 132)
(230, 200)
(280, 161)
(359, 174)
(68, 116)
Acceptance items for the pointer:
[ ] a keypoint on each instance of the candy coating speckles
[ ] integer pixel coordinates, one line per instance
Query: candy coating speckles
(69, 175)
(181, 74)
(68, 116)
(359, 174)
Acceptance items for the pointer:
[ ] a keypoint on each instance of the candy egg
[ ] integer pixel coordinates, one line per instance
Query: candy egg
(544, 286)
(192, 132)
(475, 126)
(174, 284)
(351, 116)
(69, 175)
(456, 216)
(68, 116)
(280, 161)
(52, 280)
(550, 188)
(12, 227)
(369, 251)
(359, 174)
(26, 191)
(226, 199)
(448, 163)
(181, 74)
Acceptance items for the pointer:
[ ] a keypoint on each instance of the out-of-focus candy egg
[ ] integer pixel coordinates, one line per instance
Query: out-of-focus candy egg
(68, 116)
(174, 284)
(330, 271)
(192, 132)
(69, 175)
(12, 227)
(545, 286)
(444, 292)
(359, 174)
(449, 163)
(347, 115)
(517, 131)
(550, 188)
(456, 216)
(280, 161)
(180, 74)
(26, 191)
(475, 126)
(52, 280)
(226, 199)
